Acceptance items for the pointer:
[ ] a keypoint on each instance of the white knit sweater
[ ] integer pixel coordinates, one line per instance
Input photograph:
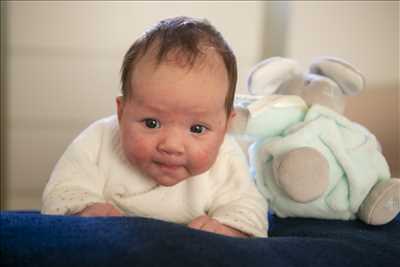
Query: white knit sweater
(94, 169)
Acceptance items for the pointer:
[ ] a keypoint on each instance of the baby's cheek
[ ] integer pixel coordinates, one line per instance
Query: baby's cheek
(202, 159)
(136, 150)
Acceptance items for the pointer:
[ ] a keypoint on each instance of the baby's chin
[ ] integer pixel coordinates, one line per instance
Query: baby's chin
(166, 180)
(169, 180)
(168, 177)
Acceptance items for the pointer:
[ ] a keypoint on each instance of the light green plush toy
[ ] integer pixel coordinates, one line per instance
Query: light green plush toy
(307, 158)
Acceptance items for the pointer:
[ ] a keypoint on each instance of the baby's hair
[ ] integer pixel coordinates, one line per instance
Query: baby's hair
(186, 36)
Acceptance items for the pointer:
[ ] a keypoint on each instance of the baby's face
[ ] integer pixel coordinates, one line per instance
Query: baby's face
(175, 120)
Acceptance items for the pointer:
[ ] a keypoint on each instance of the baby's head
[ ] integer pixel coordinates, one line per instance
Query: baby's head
(187, 39)
(178, 86)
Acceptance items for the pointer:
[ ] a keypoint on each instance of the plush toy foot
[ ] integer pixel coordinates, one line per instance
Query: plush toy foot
(382, 203)
(302, 173)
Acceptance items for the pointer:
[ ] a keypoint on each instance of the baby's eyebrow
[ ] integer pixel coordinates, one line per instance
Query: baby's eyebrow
(153, 108)
(188, 110)
(149, 107)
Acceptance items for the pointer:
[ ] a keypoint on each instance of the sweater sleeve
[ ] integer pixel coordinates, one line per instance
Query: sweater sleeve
(236, 202)
(76, 181)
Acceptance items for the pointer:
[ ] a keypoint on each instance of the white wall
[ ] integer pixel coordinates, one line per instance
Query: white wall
(62, 67)
(365, 33)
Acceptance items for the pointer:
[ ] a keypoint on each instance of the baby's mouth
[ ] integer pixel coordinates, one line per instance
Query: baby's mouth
(168, 166)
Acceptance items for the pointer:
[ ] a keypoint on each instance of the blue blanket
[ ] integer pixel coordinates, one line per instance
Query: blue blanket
(32, 239)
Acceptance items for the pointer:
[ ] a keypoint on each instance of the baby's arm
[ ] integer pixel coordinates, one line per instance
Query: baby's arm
(209, 224)
(76, 183)
(100, 209)
(236, 201)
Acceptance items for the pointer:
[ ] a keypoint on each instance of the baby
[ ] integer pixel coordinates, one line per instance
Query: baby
(166, 154)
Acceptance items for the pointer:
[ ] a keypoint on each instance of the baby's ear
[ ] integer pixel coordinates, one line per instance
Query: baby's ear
(230, 120)
(120, 106)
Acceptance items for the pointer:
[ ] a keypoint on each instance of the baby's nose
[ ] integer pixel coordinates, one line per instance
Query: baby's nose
(172, 143)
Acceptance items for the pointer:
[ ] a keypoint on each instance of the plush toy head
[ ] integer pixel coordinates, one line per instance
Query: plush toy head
(327, 82)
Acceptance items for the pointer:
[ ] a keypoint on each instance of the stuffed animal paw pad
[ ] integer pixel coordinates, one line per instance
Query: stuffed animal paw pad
(303, 173)
(382, 204)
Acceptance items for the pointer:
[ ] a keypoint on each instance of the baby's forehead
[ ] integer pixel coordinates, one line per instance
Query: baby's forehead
(209, 62)
(151, 77)
(206, 56)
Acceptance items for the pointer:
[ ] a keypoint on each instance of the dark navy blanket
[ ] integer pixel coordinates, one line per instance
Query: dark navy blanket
(31, 239)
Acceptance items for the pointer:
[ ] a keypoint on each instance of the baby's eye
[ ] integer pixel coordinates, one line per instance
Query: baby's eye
(151, 123)
(198, 129)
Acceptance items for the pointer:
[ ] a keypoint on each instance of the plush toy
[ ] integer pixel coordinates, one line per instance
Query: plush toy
(307, 158)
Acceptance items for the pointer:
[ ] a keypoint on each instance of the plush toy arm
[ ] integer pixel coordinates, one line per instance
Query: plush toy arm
(266, 77)
(349, 79)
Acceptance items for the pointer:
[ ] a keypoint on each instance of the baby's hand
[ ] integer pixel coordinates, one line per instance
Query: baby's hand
(208, 224)
(100, 209)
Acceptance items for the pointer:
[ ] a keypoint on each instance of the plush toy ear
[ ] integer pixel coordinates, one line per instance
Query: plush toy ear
(266, 77)
(348, 78)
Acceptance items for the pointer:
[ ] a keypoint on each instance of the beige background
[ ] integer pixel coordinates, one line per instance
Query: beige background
(60, 67)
